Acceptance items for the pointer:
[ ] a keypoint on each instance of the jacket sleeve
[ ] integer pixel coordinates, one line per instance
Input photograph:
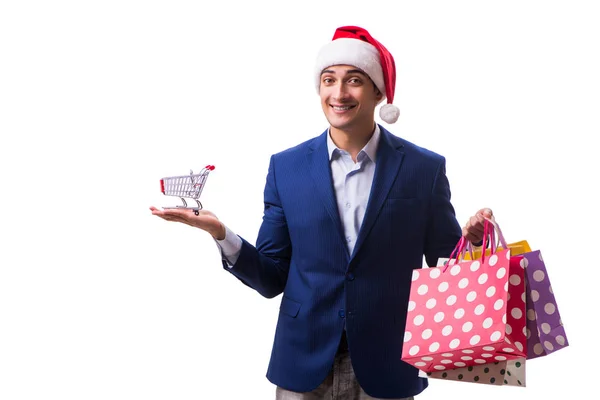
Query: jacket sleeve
(443, 230)
(265, 267)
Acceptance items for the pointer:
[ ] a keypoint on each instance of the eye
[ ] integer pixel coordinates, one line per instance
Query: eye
(354, 81)
(327, 80)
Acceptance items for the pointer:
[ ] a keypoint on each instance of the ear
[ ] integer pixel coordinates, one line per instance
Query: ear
(378, 94)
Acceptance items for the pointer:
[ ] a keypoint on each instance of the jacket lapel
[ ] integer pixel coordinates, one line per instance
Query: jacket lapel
(318, 162)
(389, 159)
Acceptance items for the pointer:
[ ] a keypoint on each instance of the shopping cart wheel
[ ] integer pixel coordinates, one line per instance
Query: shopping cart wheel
(196, 212)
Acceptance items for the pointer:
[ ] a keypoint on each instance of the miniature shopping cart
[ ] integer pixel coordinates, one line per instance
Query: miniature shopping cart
(186, 186)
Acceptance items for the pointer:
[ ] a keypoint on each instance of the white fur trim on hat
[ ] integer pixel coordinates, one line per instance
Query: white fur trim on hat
(345, 51)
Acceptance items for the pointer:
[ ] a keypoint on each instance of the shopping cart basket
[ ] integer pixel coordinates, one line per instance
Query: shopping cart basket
(189, 186)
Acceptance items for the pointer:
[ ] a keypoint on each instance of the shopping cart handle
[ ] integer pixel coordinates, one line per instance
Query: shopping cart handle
(210, 167)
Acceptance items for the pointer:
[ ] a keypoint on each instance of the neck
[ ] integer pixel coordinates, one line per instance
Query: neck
(352, 140)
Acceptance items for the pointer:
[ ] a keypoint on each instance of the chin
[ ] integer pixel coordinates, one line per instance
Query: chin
(339, 122)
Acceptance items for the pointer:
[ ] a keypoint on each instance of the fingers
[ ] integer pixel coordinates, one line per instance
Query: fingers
(205, 220)
(182, 220)
(474, 229)
(186, 214)
(174, 214)
(486, 213)
(473, 238)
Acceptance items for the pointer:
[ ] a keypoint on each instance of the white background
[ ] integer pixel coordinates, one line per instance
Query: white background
(100, 99)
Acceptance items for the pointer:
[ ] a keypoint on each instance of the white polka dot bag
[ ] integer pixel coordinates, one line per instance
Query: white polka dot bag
(467, 313)
(500, 373)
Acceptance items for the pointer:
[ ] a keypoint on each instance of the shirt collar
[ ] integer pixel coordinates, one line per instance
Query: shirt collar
(370, 148)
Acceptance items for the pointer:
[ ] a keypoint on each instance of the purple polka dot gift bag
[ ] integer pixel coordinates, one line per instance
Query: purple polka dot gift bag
(545, 331)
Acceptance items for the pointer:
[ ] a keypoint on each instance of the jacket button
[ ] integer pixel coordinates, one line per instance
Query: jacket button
(350, 276)
(342, 314)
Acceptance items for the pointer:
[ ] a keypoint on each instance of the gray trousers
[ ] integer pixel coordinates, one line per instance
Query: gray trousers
(340, 384)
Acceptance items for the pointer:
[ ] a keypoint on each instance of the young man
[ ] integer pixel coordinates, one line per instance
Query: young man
(348, 215)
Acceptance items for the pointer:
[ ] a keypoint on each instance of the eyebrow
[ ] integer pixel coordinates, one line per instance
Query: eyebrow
(348, 72)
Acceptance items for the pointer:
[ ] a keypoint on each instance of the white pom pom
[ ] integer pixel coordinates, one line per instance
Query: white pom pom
(389, 113)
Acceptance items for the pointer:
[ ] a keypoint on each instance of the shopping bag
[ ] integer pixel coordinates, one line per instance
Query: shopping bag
(466, 313)
(508, 373)
(545, 331)
(516, 248)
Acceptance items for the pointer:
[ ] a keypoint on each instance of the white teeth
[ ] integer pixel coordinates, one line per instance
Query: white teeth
(345, 108)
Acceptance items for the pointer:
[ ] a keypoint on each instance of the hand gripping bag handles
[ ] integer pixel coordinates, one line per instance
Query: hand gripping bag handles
(467, 313)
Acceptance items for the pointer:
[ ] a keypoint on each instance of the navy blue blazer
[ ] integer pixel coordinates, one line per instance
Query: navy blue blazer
(301, 251)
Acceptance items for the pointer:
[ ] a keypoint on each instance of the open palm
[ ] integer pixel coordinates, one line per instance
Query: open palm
(205, 220)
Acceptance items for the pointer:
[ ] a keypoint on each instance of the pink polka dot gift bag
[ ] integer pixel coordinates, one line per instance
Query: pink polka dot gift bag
(468, 312)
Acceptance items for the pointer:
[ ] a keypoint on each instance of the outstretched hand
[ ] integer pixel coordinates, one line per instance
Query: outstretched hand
(205, 220)
(473, 230)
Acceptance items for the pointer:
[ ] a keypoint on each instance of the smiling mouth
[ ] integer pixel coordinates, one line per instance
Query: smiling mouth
(341, 108)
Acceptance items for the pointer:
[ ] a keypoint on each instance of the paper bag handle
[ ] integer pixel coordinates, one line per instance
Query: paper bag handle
(459, 252)
(488, 232)
(497, 230)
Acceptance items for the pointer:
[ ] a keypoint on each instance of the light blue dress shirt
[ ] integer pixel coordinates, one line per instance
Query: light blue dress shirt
(352, 185)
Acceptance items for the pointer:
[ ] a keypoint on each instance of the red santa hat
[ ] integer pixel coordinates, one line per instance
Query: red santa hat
(352, 45)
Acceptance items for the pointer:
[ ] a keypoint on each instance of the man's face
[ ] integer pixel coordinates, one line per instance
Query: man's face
(348, 97)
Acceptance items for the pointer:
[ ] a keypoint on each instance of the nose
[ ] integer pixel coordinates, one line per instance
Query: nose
(339, 92)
